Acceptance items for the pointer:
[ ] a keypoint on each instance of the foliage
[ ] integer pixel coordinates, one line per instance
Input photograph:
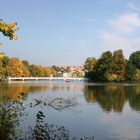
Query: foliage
(90, 64)
(46, 131)
(16, 68)
(2, 72)
(114, 67)
(25, 63)
(133, 67)
(9, 117)
(104, 66)
(40, 71)
(5, 61)
(130, 71)
(119, 64)
(8, 30)
(137, 75)
(77, 74)
(135, 59)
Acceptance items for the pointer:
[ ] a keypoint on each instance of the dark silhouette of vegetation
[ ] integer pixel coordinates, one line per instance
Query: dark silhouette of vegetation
(114, 67)
(46, 131)
(10, 112)
(112, 97)
(133, 67)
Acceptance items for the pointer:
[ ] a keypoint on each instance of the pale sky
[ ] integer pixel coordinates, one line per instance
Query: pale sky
(66, 32)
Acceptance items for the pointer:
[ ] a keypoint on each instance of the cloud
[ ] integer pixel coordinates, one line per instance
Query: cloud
(121, 32)
(127, 22)
(112, 41)
(133, 7)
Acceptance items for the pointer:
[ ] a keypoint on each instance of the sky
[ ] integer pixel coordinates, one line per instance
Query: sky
(66, 32)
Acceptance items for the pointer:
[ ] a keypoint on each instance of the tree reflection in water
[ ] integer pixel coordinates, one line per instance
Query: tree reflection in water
(10, 114)
(113, 97)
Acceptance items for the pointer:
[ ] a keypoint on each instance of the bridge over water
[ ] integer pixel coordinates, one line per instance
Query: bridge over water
(45, 78)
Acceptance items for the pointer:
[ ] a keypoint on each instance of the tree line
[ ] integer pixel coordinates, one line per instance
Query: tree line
(14, 67)
(113, 67)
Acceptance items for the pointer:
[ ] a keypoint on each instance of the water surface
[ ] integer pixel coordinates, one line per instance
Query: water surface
(108, 111)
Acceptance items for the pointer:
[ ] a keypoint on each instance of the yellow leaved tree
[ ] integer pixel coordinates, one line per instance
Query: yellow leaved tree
(8, 30)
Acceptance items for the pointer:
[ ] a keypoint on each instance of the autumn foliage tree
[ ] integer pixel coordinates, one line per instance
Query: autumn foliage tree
(14, 68)
(119, 65)
(9, 31)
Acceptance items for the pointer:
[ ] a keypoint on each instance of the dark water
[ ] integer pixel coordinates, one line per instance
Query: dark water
(107, 111)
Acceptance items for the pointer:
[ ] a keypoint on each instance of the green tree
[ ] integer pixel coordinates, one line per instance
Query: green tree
(133, 66)
(130, 71)
(5, 61)
(119, 65)
(25, 63)
(137, 75)
(104, 67)
(90, 64)
(135, 59)
(33, 70)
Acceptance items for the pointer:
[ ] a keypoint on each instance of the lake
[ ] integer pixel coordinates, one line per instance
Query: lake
(74, 110)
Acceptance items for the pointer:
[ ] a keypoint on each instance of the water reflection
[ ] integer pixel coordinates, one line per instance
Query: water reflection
(110, 97)
(113, 97)
(12, 91)
(89, 98)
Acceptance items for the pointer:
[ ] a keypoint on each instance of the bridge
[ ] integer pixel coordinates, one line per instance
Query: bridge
(44, 78)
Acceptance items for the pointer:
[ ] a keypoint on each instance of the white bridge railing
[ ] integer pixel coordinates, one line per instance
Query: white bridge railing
(45, 78)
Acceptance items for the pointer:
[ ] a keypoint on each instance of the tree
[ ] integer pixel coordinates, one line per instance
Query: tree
(119, 65)
(2, 72)
(25, 63)
(5, 61)
(14, 68)
(104, 67)
(135, 59)
(130, 71)
(33, 70)
(26, 72)
(8, 30)
(133, 66)
(137, 75)
(90, 64)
